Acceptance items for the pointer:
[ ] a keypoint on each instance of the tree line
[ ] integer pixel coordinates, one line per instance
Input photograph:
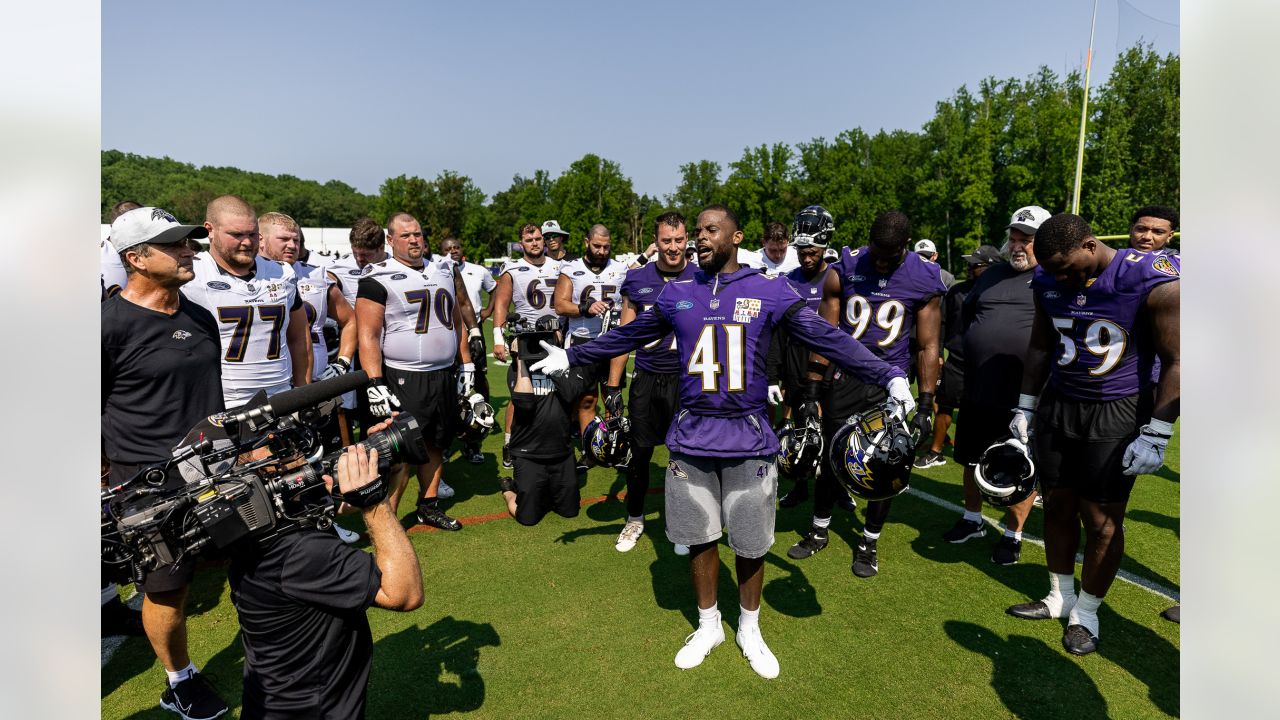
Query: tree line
(985, 152)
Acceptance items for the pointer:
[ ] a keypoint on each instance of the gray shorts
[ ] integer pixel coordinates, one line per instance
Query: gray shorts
(705, 496)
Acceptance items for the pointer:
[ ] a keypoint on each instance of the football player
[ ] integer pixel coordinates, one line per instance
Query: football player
(876, 294)
(655, 390)
(528, 282)
(1151, 229)
(475, 278)
(1102, 316)
(722, 448)
(586, 291)
(411, 335)
(777, 255)
(263, 327)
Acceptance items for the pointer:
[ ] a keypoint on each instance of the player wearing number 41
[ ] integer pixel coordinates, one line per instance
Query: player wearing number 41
(409, 312)
(723, 450)
(261, 322)
(1102, 315)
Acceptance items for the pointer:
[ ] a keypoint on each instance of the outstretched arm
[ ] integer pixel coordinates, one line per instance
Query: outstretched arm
(647, 327)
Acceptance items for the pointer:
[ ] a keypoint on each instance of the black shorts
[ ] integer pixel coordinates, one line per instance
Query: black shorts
(652, 405)
(1080, 445)
(847, 397)
(978, 427)
(950, 387)
(543, 486)
(166, 577)
(431, 397)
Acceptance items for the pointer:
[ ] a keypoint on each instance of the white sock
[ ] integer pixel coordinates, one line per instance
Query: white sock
(109, 593)
(507, 440)
(709, 617)
(1085, 612)
(639, 519)
(177, 676)
(748, 619)
(973, 515)
(1062, 594)
(823, 523)
(1015, 535)
(870, 535)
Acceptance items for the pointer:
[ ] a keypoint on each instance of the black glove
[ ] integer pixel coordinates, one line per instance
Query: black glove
(366, 497)
(613, 400)
(475, 344)
(922, 423)
(807, 411)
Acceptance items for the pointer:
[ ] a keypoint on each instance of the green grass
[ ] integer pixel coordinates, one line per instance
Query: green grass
(551, 621)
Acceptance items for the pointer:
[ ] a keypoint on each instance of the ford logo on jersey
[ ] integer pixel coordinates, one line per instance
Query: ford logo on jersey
(218, 285)
(580, 273)
(644, 291)
(399, 276)
(684, 305)
(357, 271)
(1051, 295)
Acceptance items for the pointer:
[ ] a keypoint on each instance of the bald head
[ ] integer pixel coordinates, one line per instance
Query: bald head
(598, 230)
(226, 205)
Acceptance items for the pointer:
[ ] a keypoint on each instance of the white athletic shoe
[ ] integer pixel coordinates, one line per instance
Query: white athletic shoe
(757, 653)
(699, 645)
(630, 534)
(345, 535)
(444, 490)
(682, 549)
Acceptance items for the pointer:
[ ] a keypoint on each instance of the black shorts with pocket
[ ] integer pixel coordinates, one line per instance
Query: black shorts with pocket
(1079, 445)
(543, 486)
(950, 387)
(431, 397)
(652, 405)
(978, 427)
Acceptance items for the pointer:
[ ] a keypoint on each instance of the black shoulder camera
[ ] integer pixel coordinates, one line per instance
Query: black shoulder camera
(526, 336)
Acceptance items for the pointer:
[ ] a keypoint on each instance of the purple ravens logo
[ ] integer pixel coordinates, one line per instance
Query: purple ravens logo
(1024, 215)
(158, 214)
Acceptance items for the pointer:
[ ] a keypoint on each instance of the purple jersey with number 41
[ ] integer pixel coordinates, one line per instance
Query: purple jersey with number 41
(1105, 349)
(723, 324)
(879, 310)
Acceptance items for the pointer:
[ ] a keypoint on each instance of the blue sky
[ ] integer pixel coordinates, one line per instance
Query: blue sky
(361, 92)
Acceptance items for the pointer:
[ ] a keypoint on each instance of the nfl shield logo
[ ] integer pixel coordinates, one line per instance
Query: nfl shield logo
(883, 283)
(1080, 300)
(715, 303)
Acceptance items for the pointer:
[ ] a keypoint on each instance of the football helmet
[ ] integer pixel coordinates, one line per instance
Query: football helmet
(1005, 473)
(872, 454)
(801, 448)
(607, 441)
(813, 226)
(476, 418)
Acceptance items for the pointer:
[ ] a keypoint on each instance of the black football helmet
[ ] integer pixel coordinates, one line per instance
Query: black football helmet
(813, 226)
(872, 454)
(476, 418)
(801, 448)
(1005, 473)
(607, 441)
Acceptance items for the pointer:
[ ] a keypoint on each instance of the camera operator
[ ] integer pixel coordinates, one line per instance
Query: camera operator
(161, 373)
(301, 599)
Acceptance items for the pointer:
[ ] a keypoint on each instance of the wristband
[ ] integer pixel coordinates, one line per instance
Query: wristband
(473, 332)
(469, 367)
(642, 260)
(345, 362)
(1028, 402)
(497, 336)
(1163, 428)
(925, 401)
(584, 308)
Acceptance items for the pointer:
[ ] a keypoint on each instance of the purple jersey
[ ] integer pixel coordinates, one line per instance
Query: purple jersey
(880, 310)
(1104, 352)
(642, 287)
(809, 290)
(723, 324)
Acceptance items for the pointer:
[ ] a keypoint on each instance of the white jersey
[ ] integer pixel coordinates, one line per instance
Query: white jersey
(313, 287)
(790, 262)
(590, 285)
(476, 278)
(112, 272)
(253, 323)
(348, 274)
(748, 258)
(418, 325)
(532, 287)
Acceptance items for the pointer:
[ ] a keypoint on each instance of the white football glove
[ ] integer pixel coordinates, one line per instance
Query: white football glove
(555, 363)
(900, 392)
(467, 379)
(381, 401)
(1145, 454)
(775, 395)
(335, 368)
(1020, 425)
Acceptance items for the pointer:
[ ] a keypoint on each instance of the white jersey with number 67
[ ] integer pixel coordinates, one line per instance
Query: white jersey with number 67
(532, 287)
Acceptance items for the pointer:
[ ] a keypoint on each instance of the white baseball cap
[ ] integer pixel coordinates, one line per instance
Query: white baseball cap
(1028, 219)
(151, 225)
(926, 246)
(551, 227)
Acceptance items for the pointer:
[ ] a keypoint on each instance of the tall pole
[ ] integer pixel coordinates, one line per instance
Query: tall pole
(1084, 114)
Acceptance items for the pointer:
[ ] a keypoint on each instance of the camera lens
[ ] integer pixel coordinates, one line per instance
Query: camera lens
(402, 442)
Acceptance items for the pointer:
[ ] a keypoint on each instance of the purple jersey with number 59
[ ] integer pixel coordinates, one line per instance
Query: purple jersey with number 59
(880, 310)
(1105, 350)
(642, 286)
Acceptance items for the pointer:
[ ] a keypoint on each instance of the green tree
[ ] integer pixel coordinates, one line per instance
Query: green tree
(761, 189)
(594, 190)
(699, 187)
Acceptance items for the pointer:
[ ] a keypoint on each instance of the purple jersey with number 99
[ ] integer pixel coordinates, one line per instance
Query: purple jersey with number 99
(879, 310)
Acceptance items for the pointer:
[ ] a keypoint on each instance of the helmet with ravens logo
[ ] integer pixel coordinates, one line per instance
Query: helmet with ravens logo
(872, 454)
(606, 441)
(801, 448)
(813, 227)
(1005, 473)
(476, 418)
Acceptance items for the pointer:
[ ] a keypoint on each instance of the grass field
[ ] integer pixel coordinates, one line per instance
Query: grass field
(551, 622)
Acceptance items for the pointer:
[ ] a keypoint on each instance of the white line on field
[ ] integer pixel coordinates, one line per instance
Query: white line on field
(111, 644)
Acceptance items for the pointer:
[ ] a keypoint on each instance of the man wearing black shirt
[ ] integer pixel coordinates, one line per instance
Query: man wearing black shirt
(160, 375)
(301, 599)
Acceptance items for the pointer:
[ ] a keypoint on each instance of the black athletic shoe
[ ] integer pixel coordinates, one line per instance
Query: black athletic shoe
(1173, 614)
(119, 619)
(1030, 611)
(473, 455)
(506, 484)
(929, 459)
(193, 699)
(506, 456)
(1007, 551)
(1079, 641)
(432, 515)
(798, 494)
(814, 541)
(965, 530)
(845, 501)
(865, 563)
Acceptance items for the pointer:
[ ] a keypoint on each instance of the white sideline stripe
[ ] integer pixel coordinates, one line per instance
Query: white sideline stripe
(1154, 588)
